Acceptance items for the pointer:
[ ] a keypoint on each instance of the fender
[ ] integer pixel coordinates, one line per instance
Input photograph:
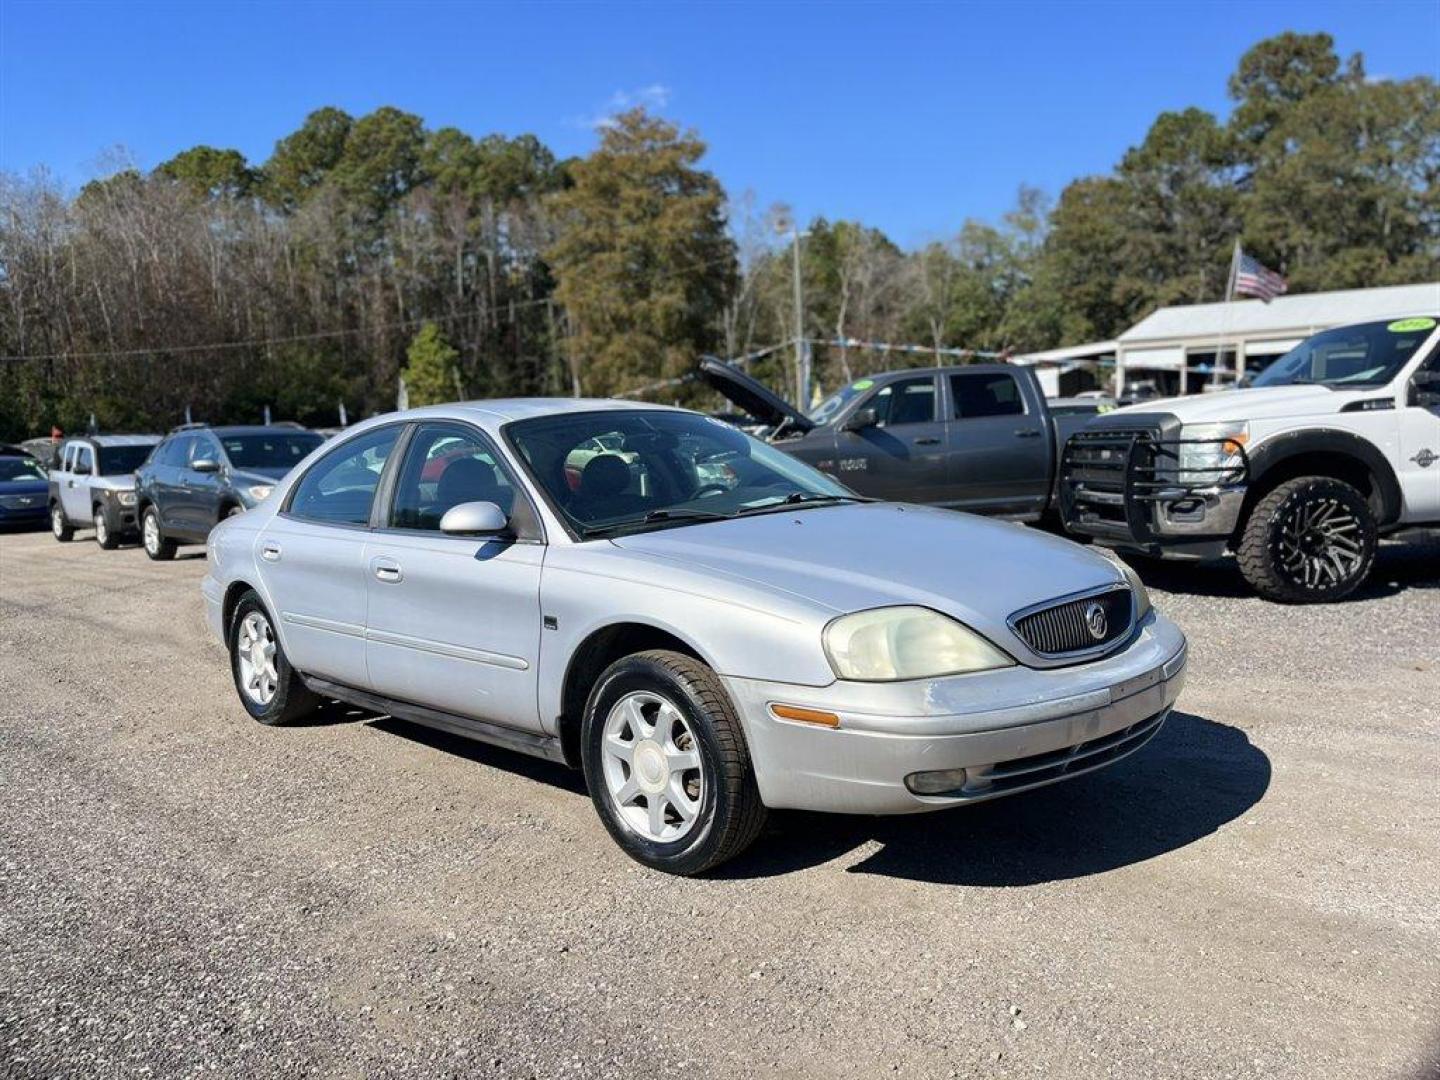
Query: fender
(1291, 444)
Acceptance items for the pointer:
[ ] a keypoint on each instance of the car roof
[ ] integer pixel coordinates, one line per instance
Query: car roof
(249, 429)
(120, 440)
(954, 369)
(504, 409)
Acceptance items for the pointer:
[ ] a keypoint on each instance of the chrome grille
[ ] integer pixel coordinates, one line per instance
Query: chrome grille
(1069, 626)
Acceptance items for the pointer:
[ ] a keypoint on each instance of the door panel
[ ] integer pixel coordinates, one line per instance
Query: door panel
(902, 456)
(75, 489)
(453, 622)
(999, 449)
(312, 558)
(1419, 466)
(169, 474)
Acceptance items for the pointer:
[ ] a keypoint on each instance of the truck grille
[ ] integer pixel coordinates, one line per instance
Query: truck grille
(1095, 471)
(1071, 626)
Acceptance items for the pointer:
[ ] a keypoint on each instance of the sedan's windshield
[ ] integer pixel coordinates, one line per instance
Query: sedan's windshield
(20, 468)
(270, 450)
(608, 472)
(1370, 354)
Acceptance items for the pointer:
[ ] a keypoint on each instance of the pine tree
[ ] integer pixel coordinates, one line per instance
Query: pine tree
(430, 371)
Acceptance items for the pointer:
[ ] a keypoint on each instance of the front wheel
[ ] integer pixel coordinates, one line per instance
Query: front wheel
(60, 527)
(269, 688)
(667, 765)
(1311, 540)
(156, 546)
(103, 536)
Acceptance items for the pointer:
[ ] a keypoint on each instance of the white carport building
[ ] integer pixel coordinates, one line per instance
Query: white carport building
(1183, 349)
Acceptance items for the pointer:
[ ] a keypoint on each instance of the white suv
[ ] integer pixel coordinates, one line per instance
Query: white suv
(1332, 445)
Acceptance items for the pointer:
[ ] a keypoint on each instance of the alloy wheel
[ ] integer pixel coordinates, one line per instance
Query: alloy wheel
(102, 531)
(57, 521)
(255, 656)
(1320, 544)
(151, 529)
(652, 767)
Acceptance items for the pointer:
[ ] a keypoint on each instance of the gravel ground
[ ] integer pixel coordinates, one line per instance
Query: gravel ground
(182, 891)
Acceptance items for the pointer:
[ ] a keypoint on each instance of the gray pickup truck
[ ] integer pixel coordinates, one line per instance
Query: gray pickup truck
(979, 437)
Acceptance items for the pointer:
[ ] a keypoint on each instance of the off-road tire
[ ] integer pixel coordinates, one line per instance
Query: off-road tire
(60, 526)
(158, 547)
(293, 700)
(1264, 563)
(731, 814)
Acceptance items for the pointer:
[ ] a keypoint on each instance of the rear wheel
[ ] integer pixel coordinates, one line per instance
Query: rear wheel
(269, 688)
(667, 765)
(156, 546)
(60, 528)
(1311, 540)
(103, 536)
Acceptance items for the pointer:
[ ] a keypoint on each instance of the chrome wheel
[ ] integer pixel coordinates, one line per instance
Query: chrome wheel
(57, 522)
(151, 530)
(1320, 544)
(652, 767)
(102, 531)
(255, 657)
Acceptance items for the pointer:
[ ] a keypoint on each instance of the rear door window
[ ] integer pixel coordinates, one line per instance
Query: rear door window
(985, 394)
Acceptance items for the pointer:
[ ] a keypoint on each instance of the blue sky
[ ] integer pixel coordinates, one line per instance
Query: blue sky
(910, 117)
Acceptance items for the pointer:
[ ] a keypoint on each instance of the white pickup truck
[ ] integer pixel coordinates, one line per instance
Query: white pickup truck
(1333, 445)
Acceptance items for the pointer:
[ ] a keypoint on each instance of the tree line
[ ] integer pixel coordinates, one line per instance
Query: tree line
(370, 249)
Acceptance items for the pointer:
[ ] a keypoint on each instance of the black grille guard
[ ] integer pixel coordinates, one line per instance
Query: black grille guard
(1110, 481)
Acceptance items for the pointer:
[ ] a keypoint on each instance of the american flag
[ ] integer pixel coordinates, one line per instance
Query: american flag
(1253, 278)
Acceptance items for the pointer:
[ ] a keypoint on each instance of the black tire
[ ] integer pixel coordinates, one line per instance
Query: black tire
(104, 535)
(292, 699)
(152, 537)
(731, 813)
(60, 527)
(1311, 540)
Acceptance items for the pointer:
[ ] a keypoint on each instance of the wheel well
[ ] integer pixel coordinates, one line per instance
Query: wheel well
(236, 590)
(1332, 463)
(597, 652)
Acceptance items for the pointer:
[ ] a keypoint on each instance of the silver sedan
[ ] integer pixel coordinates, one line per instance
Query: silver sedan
(708, 627)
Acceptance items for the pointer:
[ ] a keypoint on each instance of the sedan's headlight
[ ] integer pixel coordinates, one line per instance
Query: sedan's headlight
(1219, 450)
(888, 644)
(125, 498)
(1138, 590)
(259, 491)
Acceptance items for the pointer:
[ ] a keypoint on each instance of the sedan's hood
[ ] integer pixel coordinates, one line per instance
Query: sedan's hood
(858, 556)
(1256, 403)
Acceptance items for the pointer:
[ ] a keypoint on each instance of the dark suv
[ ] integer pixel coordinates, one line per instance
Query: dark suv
(200, 475)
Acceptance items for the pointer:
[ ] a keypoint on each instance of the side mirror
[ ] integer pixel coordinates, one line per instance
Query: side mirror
(1425, 389)
(474, 519)
(205, 464)
(860, 419)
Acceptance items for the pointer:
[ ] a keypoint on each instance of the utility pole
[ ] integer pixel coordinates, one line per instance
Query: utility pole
(802, 354)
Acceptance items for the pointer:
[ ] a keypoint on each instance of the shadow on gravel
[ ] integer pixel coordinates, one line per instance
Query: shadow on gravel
(1399, 565)
(1193, 777)
(532, 768)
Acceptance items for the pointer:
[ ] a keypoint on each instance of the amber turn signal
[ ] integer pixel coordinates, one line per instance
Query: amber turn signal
(805, 716)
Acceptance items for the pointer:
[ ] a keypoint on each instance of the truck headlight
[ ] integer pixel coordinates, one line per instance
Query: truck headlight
(258, 492)
(1221, 450)
(888, 644)
(1138, 590)
(125, 498)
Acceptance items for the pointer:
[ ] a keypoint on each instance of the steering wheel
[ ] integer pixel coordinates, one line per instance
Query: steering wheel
(709, 489)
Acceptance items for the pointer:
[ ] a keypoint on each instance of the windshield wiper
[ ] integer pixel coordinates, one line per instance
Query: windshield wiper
(655, 517)
(798, 498)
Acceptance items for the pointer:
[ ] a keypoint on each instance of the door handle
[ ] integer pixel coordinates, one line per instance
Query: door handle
(387, 570)
(270, 552)
(70, 483)
(929, 440)
(1027, 433)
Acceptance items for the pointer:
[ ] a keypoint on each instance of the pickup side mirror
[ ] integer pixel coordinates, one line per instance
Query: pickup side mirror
(860, 419)
(474, 519)
(1425, 389)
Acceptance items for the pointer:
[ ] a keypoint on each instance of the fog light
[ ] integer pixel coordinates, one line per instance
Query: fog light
(936, 783)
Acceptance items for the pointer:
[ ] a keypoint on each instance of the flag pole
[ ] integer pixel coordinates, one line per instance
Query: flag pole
(1227, 318)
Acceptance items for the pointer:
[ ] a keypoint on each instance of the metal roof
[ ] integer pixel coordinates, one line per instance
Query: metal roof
(116, 440)
(1297, 316)
(1094, 350)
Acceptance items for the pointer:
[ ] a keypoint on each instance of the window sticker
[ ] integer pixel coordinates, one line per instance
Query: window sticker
(1405, 326)
(863, 384)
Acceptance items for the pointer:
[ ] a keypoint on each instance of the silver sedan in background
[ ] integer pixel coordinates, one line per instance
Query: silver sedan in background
(708, 627)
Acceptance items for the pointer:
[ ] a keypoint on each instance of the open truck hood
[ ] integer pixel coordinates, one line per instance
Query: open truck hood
(753, 396)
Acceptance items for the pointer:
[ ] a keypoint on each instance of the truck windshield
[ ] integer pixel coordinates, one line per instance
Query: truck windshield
(115, 460)
(1369, 354)
(833, 405)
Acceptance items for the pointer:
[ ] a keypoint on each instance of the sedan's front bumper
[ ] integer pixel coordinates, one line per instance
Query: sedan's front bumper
(1010, 730)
